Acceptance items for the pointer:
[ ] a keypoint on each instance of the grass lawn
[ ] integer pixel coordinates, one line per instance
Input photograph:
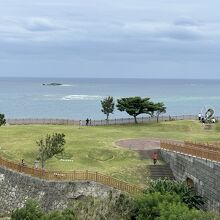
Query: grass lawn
(93, 148)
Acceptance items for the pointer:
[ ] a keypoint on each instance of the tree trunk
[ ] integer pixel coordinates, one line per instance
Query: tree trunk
(42, 164)
(158, 114)
(135, 119)
(42, 161)
(107, 116)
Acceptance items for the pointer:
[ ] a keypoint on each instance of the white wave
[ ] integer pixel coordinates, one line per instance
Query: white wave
(48, 95)
(81, 97)
(66, 85)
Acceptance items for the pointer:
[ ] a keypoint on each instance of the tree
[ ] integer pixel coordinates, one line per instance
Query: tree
(2, 120)
(50, 146)
(159, 108)
(108, 106)
(135, 106)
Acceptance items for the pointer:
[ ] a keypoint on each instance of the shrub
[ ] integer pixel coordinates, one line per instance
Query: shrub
(187, 194)
(148, 205)
(66, 214)
(30, 211)
(2, 120)
(168, 207)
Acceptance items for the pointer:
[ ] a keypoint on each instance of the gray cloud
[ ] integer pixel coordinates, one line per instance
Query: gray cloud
(182, 34)
(186, 21)
(127, 37)
(155, 30)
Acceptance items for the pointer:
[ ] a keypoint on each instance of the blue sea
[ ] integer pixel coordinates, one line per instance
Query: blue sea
(79, 98)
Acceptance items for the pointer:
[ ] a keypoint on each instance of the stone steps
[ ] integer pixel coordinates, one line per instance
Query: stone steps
(160, 172)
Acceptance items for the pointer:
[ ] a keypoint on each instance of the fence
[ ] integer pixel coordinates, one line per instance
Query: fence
(206, 151)
(71, 176)
(206, 146)
(119, 121)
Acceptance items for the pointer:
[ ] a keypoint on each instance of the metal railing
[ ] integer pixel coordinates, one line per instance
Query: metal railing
(71, 176)
(118, 121)
(199, 150)
(206, 146)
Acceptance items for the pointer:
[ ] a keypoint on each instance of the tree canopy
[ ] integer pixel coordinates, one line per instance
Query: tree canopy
(108, 106)
(159, 108)
(135, 106)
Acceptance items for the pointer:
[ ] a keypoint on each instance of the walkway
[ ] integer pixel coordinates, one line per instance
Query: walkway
(145, 148)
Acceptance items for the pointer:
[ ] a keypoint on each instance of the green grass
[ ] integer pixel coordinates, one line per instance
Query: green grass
(94, 148)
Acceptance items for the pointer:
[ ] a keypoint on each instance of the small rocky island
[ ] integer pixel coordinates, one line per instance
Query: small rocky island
(52, 84)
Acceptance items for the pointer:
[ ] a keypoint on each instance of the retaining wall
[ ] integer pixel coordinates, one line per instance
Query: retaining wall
(205, 175)
(16, 188)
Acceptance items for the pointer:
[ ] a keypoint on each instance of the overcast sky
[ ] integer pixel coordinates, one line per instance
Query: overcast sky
(110, 38)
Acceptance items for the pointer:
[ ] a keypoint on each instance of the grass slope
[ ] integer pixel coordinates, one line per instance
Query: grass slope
(94, 148)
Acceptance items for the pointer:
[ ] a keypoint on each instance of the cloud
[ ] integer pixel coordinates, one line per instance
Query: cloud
(186, 21)
(181, 34)
(161, 30)
(40, 24)
(107, 32)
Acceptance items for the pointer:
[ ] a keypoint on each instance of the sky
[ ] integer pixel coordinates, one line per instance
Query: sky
(107, 38)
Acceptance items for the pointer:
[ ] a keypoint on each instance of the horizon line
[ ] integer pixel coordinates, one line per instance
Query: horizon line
(85, 77)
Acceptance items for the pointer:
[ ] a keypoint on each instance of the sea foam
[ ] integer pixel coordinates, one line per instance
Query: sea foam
(82, 97)
(66, 85)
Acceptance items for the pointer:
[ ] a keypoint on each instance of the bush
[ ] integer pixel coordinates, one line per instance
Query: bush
(187, 194)
(33, 211)
(30, 211)
(67, 214)
(181, 211)
(168, 207)
(2, 120)
(148, 205)
(115, 206)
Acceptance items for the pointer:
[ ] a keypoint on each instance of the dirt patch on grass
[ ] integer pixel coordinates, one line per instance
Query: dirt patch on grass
(139, 144)
(145, 147)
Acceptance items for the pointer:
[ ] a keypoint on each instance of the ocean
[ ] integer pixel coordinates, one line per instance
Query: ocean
(79, 98)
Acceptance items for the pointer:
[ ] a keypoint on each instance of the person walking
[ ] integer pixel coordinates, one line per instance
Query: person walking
(154, 157)
(80, 124)
(22, 162)
(87, 122)
(199, 116)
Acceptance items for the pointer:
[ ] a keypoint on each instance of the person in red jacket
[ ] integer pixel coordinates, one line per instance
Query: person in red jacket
(154, 157)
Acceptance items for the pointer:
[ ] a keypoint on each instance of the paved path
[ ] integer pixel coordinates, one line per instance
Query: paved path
(146, 148)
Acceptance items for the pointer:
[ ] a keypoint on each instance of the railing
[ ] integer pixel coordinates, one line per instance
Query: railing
(206, 146)
(119, 121)
(71, 176)
(199, 150)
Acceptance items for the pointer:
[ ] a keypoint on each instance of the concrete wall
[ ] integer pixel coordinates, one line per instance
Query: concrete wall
(16, 188)
(204, 173)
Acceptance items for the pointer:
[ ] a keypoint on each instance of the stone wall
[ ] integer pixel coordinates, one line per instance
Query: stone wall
(16, 188)
(205, 175)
